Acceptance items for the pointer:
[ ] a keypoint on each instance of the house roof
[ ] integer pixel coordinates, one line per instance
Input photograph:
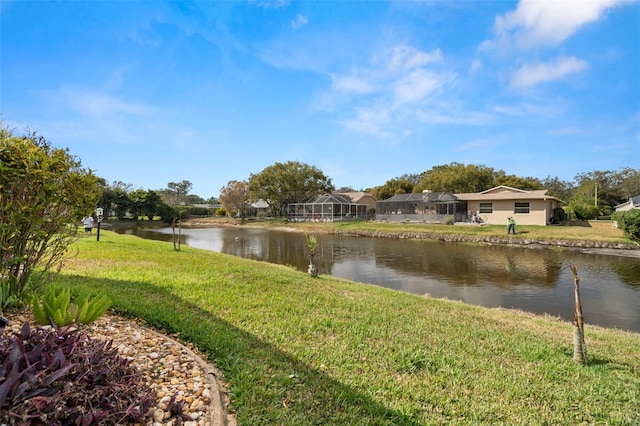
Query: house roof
(507, 193)
(260, 204)
(634, 201)
(434, 197)
(355, 196)
(327, 199)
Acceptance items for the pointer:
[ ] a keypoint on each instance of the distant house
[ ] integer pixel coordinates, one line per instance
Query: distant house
(424, 206)
(633, 203)
(495, 205)
(333, 207)
(259, 208)
(492, 206)
(363, 198)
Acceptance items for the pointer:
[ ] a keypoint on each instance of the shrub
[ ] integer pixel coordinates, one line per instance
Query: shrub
(583, 211)
(167, 212)
(8, 296)
(629, 222)
(60, 376)
(44, 190)
(58, 308)
(198, 211)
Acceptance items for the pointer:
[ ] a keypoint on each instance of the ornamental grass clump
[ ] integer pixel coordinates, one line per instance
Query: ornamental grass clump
(59, 376)
(58, 307)
(312, 243)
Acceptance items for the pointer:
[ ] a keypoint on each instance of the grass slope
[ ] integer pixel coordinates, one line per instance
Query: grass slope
(300, 351)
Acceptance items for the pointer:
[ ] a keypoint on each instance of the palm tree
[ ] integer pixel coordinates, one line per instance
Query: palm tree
(312, 242)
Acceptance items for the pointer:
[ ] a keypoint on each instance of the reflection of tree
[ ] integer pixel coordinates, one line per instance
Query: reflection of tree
(273, 247)
(457, 264)
(628, 271)
(461, 264)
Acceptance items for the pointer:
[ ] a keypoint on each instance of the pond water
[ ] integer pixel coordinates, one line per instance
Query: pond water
(537, 280)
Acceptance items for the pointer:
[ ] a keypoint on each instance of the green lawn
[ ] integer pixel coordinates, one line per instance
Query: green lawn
(301, 351)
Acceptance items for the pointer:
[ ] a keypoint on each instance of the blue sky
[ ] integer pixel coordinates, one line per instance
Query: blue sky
(151, 92)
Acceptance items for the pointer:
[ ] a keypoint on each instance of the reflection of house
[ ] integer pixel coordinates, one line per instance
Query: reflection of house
(421, 207)
(492, 206)
(495, 205)
(331, 207)
(633, 203)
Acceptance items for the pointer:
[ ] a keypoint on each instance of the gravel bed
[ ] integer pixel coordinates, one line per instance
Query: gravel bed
(167, 366)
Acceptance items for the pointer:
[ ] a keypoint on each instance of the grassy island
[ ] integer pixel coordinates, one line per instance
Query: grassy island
(298, 350)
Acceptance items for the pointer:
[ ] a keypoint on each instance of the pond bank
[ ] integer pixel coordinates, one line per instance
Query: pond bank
(592, 246)
(461, 238)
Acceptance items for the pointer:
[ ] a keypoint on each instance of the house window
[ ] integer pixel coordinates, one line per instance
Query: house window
(522, 208)
(486, 208)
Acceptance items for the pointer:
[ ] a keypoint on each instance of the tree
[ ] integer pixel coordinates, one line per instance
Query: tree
(45, 193)
(513, 181)
(177, 192)
(286, 183)
(138, 198)
(107, 199)
(346, 189)
(392, 187)
(122, 203)
(558, 188)
(235, 197)
(457, 178)
(192, 199)
(151, 204)
(628, 183)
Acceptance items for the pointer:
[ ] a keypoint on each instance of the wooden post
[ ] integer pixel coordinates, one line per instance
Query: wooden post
(176, 238)
(579, 345)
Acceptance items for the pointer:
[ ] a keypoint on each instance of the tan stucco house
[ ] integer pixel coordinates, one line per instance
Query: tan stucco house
(496, 205)
(361, 198)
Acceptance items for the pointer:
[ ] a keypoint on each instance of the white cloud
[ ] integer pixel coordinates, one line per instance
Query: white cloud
(406, 58)
(475, 145)
(93, 114)
(390, 90)
(96, 104)
(417, 86)
(352, 84)
(547, 23)
(299, 22)
(370, 120)
(565, 131)
(532, 74)
(549, 108)
(271, 4)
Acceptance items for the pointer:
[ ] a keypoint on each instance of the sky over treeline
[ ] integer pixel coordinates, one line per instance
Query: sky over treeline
(155, 92)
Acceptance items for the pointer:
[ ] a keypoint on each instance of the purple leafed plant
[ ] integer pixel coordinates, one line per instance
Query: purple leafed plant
(60, 376)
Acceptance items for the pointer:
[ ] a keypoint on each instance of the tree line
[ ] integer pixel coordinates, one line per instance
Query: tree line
(589, 195)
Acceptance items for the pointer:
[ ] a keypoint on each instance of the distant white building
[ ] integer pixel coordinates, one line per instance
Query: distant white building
(633, 203)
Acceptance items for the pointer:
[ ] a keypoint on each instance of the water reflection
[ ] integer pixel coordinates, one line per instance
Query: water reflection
(535, 280)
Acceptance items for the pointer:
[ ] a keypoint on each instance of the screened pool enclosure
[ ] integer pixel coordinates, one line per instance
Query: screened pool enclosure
(326, 208)
(422, 207)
